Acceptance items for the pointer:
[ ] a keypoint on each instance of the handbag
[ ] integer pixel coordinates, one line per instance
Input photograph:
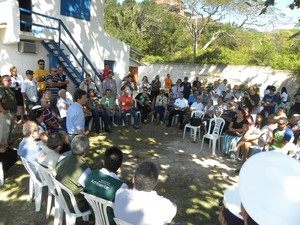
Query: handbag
(195, 121)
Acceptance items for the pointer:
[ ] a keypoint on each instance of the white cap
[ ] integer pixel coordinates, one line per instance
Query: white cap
(269, 188)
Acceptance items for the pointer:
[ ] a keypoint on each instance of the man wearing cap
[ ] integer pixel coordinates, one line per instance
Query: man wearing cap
(29, 91)
(186, 87)
(281, 136)
(8, 109)
(168, 82)
(110, 83)
(40, 76)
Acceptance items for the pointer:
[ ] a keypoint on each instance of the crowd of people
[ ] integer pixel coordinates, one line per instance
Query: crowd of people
(57, 125)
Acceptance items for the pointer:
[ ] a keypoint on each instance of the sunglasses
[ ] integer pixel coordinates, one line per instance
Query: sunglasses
(280, 123)
(42, 64)
(54, 71)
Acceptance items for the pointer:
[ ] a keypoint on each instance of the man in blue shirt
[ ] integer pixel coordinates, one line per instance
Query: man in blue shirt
(75, 114)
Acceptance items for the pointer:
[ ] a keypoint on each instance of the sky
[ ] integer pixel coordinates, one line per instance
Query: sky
(287, 22)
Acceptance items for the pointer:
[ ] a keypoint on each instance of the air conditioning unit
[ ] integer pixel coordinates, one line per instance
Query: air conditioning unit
(28, 47)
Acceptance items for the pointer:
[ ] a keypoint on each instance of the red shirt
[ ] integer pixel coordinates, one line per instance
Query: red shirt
(123, 100)
(105, 73)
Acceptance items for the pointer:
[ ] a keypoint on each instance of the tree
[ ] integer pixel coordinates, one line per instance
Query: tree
(202, 14)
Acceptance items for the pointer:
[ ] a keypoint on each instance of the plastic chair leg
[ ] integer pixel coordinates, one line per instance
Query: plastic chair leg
(85, 218)
(184, 132)
(58, 214)
(214, 143)
(1, 174)
(70, 219)
(49, 204)
(38, 197)
(202, 144)
(30, 190)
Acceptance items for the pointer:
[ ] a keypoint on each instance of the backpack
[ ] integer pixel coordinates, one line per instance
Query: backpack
(195, 121)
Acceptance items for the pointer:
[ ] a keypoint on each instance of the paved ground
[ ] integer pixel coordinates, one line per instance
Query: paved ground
(192, 179)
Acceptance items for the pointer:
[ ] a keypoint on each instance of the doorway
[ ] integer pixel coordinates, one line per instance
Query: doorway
(25, 16)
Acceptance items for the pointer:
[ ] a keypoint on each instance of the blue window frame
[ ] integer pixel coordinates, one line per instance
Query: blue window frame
(80, 9)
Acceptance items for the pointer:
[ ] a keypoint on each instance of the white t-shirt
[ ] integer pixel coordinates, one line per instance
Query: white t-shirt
(30, 88)
(61, 103)
(284, 97)
(182, 103)
(217, 92)
(143, 208)
(197, 106)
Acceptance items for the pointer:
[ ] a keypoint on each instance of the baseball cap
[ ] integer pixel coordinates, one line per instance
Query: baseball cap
(37, 107)
(29, 72)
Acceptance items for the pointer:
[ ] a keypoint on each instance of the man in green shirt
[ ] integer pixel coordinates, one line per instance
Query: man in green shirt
(108, 103)
(104, 183)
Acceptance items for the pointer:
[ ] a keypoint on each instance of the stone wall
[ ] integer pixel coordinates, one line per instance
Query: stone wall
(235, 74)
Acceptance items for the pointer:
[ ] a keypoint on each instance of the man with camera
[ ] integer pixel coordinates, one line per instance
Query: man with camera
(87, 83)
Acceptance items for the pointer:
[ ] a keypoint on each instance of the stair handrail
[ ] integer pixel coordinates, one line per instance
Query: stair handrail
(61, 24)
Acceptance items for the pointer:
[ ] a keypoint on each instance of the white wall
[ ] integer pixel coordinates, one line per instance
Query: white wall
(234, 73)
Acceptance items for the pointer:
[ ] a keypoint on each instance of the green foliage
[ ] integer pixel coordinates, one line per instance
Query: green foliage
(159, 33)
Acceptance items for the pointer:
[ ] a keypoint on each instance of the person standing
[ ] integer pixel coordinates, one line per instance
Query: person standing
(75, 114)
(29, 91)
(40, 76)
(62, 105)
(16, 81)
(168, 83)
(64, 79)
(111, 84)
(8, 109)
(186, 87)
(87, 83)
(155, 87)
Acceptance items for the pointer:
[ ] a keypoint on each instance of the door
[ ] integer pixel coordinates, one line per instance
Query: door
(25, 16)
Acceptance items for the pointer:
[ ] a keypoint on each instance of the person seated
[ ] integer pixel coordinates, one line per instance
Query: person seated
(206, 95)
(127, 106)
(237, 128)
(50, 155)
(251, 100)
(220, 107)
(269, 101)
(28, 147)
(235, 96)
(294, 125)
(160, 107)
(51, 119)
(171, 100)
(181, 107)
(142, 205)
(108, 103)
(280, 136)
(193, 98)
(228, 115)
(73, 170)
(104, 183)
(93, 105)
(255, 136)
(143, 104)
(62, 105)
(87, 83)
(197, 105)
(280, 110)
(209, 110)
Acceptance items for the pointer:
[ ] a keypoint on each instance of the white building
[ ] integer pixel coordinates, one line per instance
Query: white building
(76, 27)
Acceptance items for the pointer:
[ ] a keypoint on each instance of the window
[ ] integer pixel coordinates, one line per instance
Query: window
(80, 9)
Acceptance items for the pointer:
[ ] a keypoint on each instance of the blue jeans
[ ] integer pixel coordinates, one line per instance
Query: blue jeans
(133, 114)
(117, 115)
(97, 113)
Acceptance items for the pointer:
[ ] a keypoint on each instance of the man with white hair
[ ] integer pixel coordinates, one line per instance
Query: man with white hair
(62, 105)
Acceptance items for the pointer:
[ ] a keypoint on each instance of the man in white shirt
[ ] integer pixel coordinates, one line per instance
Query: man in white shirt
(215, 93)
(181, 106)
(142, 205)
(198, 104)
(29, 91)
(62, 105)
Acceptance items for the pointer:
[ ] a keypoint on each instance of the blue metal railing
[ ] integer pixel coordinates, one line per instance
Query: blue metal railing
(61, 26)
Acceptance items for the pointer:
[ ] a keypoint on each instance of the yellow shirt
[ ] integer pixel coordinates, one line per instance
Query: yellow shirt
(39, 73)
(168, 83)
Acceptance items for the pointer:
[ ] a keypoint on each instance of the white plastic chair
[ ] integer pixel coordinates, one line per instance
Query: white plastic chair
(91, 123)
(48, 177)
(36, 184)
(214, 132)
(70, 215)
(1, 174)
(99, 206)
(194, 129)
(121, 222)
